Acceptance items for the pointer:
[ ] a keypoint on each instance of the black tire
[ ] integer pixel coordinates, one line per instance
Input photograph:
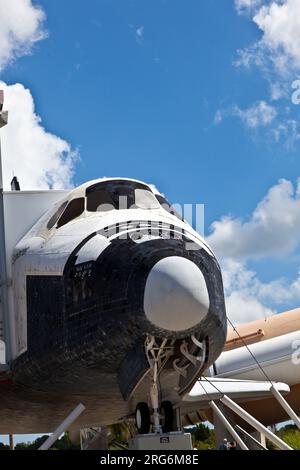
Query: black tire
(142, 418)
(167, 415)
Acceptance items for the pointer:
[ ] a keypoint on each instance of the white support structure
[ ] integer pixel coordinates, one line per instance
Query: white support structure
(5, 347)
(285, 406)
(63, 427)
(228, 426)
(251, 438)
(254, 423)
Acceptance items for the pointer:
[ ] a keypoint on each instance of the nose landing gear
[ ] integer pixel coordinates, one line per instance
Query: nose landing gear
(163, 415)
(162, 421)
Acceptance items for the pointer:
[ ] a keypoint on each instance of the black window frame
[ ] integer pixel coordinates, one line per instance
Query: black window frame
(57, 214)
(61, 222)
(115, 187)
(167, 206)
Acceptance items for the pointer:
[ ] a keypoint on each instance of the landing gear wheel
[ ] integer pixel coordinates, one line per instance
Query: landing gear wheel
(167, 415)
(142, 418)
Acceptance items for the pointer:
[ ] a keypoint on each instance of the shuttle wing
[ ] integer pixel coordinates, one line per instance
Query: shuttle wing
(206, 390)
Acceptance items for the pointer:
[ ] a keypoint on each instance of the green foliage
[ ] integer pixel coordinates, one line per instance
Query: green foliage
(33, 445)
(119, 434)
(203, 437)
(3, 446)
(291, 435)
(271, 446)
(64, 443)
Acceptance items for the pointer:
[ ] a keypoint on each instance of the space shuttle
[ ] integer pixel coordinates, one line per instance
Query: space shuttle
(110, 299)
(102, 285)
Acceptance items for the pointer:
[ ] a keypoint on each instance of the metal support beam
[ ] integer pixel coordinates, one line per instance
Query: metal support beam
(254, 423)
(251, 438)
(63, 427)
(178, 419)
(228, 426)
(285, 406)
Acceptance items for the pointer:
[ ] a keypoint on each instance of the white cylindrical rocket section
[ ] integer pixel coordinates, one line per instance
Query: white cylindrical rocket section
(278, 357)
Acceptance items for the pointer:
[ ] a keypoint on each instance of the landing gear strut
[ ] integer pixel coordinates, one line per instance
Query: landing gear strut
(157, 355)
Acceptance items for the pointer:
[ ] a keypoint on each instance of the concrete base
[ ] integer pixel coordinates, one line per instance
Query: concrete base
(167, 441)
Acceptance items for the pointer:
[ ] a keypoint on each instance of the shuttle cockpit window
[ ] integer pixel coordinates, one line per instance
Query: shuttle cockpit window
(118, 195)
(56, 215)
(100, 200)
(73, 210)
(145, 199)
(168, 207)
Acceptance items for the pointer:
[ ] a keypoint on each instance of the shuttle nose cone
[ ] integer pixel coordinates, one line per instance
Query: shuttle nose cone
(176, 296)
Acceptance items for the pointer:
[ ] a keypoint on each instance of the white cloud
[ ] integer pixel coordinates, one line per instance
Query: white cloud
(139, 34)
(276, 54)
(247, 298)
(39, 159)
(219, 116)
(244, 308)
(272, 230)
(247, 6)
(280, 23)
(278, 91)
(257, 115)
(278, 50)
(237, 277)
(240, 285)
(288, 131)
(21, 26)
(275, 122)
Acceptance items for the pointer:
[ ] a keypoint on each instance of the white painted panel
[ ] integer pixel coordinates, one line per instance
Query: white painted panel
(21, 210)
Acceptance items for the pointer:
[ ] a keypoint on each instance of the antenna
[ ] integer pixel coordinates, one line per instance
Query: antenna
(14, 184)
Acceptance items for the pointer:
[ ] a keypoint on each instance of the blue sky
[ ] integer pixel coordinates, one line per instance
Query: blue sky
(154, 91)
(146, 108)
(194, 97)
